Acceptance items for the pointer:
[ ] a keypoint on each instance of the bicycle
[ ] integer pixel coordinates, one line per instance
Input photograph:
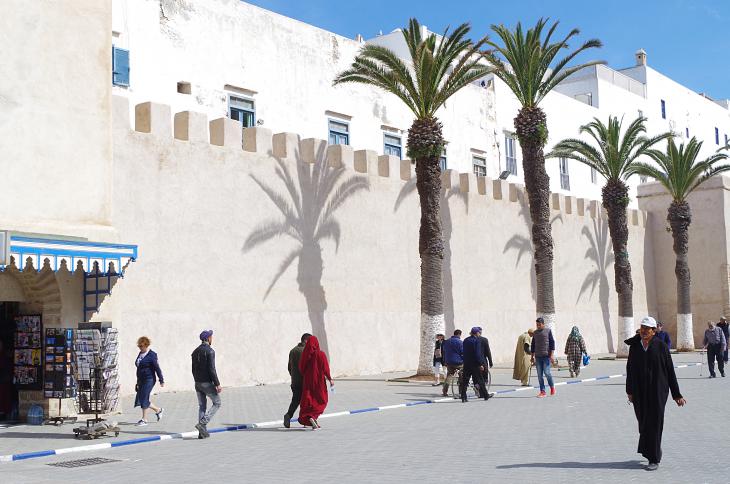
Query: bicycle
(455, 379)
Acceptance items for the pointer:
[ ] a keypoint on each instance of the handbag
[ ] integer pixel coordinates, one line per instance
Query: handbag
(586, 359)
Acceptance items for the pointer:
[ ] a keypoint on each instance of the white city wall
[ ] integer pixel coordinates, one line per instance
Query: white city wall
(192, 206)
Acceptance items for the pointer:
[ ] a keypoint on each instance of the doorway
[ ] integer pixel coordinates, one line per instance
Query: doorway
(8, 391)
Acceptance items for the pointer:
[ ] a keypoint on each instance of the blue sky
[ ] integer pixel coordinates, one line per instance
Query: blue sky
(688, 40)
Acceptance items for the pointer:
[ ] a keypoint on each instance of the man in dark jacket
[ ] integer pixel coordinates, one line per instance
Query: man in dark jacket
(296, 378)
(726, 331)
(487, 352)
(206, 382)
(474, 364)
(542, 349)
(452, 351)
(649, 379)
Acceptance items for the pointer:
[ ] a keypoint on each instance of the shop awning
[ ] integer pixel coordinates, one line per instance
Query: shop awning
(76, 254)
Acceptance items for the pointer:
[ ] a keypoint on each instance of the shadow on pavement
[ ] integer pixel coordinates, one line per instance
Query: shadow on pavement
(35, 435)
(627, 464)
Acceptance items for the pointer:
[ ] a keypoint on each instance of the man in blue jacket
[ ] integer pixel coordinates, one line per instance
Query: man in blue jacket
(474, 365)
(452, 351)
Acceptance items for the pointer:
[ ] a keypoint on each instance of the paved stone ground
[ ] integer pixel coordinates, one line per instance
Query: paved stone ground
(586, 432)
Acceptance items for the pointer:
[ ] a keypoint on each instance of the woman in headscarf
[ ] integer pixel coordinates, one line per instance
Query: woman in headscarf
(315, 370)
(574, 348)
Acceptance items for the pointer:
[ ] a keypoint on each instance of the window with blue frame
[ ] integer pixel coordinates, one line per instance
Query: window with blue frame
(242, 109)
(686, 131)
(442, 160)
(509, 154)
(120, 66)
(664, 109)
(479, 165)
(393, 145)
(339, 132)
(564, 174)
(717, 136)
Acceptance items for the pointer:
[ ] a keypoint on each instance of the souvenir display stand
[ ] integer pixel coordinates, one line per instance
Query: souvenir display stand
(58, 382)
(96, 374)
(27, 372)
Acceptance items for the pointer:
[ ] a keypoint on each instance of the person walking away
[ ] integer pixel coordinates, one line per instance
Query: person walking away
(148, 371)
(649, 379)
(487, 352)
(715, 344)
(295, 355)
(438, 360)
(663, 335)
(452, 351)
(575, 346)
(542, 349)
(207, 384)
(522, 364)
(726, 331)
(315, 369)
(474, 364)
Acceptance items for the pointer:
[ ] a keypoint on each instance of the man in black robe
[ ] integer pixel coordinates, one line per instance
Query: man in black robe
(649, 379)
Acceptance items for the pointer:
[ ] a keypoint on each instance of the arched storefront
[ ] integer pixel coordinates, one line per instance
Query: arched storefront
(39, 294)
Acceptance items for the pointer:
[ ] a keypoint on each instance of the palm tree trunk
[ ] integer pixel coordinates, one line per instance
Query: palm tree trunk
(531, 128)
(679, 217)
(424, 143)
(615, 200)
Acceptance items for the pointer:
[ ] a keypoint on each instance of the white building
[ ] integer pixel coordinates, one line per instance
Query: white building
(226, 57)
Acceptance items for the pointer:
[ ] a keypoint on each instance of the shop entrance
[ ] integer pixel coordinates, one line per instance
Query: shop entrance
(8, 391)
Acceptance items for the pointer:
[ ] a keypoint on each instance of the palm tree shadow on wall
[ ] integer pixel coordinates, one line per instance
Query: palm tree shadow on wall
(601, 253)
(447, 195)
(523, 243)
(308, 218)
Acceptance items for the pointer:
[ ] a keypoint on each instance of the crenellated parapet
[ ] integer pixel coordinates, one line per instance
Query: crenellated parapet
(189, 126)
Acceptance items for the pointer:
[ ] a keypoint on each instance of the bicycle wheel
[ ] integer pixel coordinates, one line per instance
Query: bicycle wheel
(488, 381)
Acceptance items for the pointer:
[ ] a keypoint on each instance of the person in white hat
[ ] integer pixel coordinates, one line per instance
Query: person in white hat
(649, 379)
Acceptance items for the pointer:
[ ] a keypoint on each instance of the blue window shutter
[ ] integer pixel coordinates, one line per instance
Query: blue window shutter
(120, 67)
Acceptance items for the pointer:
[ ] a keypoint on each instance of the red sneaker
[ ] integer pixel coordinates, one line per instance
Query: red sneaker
(541, 395)
(552, 391)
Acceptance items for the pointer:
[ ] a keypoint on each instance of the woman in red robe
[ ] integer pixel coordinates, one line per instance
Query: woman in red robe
(315, 369)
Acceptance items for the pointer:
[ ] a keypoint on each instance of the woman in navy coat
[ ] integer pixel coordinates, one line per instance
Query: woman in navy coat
(147, 369)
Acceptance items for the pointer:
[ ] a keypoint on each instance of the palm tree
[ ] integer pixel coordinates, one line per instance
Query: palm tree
(523, 62)
(438, 68)
(612, 156)
(680, 173)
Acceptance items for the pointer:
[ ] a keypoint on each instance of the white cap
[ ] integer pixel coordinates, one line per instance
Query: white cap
(649, 322)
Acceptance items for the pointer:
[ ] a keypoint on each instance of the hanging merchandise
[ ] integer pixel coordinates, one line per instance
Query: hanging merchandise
(95, 370)
(28, 352)
(58, 378)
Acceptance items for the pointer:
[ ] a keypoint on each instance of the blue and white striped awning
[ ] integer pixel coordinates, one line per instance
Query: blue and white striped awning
(75, 253)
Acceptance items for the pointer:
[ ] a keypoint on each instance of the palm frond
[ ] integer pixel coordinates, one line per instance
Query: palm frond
(613, 151)
(528, 57)
(437, 69)
(678, 169)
